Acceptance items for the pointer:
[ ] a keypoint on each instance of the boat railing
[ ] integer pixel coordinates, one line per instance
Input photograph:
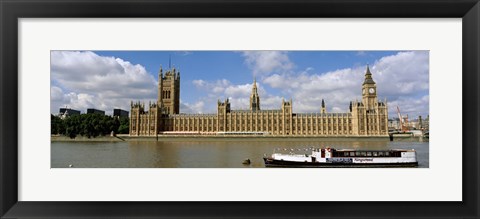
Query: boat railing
(293, 150)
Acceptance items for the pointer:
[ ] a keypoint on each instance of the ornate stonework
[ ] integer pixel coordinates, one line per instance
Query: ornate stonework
(368, 117)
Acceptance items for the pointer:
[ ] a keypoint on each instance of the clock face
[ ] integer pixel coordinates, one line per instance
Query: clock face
(371, 90)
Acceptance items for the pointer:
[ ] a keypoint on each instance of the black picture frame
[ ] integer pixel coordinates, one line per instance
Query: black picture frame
(12, 10)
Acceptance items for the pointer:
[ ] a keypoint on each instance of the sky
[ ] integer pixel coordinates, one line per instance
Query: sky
(112, 79)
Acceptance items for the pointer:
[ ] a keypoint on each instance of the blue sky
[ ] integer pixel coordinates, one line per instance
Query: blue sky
(111, 79)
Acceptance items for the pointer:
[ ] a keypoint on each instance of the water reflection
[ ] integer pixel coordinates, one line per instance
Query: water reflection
(200, 154)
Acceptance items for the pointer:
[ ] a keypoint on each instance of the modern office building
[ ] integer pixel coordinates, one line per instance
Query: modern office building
(95, 111)
(120, 113)
(68, 111)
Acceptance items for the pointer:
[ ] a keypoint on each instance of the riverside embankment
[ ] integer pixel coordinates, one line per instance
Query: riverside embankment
(120, 138)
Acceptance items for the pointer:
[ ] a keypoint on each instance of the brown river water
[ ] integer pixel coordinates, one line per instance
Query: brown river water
(213, 153)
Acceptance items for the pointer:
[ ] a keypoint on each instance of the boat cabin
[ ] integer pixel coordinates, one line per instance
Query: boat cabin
(330, 152)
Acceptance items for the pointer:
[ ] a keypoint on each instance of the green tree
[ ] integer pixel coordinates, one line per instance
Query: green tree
(72, 125)
(57, 125)
(89, 125)
(124, 125)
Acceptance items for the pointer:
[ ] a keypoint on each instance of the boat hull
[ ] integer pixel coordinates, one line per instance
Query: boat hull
(269, 162)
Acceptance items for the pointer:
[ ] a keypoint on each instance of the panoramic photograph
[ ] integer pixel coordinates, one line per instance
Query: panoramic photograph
(239, 109)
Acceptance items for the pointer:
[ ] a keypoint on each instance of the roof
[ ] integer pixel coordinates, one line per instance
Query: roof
(368, 77)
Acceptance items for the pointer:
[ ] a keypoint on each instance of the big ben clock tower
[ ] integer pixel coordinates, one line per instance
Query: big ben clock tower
(369, 91)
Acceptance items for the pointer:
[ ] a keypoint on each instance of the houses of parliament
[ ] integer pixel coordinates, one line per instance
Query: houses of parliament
(368, 117)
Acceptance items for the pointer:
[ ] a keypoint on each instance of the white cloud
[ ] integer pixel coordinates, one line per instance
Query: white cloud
(267, 62)
(216, 87)
(401, 78)
(411, 106)
(238, 91)
(404, 75)
(238, 95)
(82, 80)
(197, 107)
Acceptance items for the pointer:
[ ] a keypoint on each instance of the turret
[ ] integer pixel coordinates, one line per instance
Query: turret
(223, 107)
(287, 106)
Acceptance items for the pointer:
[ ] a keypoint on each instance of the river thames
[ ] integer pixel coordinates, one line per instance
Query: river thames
(214, 153)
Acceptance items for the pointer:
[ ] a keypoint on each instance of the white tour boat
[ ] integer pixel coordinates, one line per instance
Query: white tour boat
(330, 157)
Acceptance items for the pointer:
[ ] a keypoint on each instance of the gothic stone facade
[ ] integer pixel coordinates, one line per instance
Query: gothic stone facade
(368, 117)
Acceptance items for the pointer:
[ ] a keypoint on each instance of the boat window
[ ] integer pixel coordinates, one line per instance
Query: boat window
(369, 153)
(358, 153)
(387, 153)
(345, 154)
(375, 154)
(363, 153)
(380, 153)
(352, 154)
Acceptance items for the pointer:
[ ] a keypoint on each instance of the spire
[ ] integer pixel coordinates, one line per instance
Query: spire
(160, 73)
(254, 87)
(254, 98)
(324, 109)
(368, 77)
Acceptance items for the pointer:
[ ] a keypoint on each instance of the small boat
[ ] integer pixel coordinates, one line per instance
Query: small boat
(330, 157)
